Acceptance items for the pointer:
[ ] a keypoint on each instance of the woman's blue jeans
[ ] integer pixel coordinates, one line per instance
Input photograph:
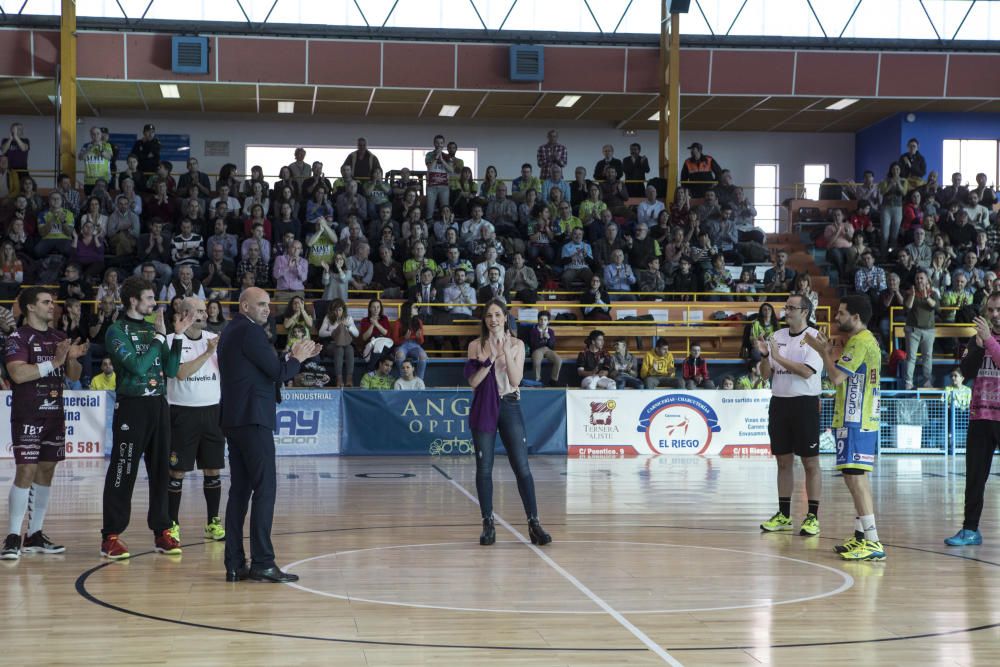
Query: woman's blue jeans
(511, 428)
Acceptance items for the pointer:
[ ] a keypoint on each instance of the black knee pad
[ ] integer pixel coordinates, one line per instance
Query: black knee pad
(174, 485)
(852, 471)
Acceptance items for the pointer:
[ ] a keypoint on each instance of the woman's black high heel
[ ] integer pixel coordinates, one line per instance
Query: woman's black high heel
(537, 533)
(489, 535)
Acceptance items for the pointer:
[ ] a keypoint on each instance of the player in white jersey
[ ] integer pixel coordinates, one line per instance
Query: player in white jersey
(195, 434)
(794, 368)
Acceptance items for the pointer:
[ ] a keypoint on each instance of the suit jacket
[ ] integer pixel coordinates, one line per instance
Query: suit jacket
(252, 375)
(485, 293)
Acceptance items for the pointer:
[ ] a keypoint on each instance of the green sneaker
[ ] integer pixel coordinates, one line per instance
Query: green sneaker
(810, 526)
(776, 523)
(214, 530)
(866, 550)
(175, 531)
(850, 544)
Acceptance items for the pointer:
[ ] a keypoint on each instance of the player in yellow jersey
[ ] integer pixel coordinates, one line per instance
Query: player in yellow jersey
(856, 417)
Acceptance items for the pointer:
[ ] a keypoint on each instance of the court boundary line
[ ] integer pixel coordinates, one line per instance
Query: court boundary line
(657, 650)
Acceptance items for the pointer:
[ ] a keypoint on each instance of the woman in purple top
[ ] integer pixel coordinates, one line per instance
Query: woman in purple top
(494, 370)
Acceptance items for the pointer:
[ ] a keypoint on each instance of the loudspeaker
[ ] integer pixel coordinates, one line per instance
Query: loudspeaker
(680, 6)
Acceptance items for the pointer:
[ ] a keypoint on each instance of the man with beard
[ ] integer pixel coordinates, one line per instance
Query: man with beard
(143, 361)
(855, 418)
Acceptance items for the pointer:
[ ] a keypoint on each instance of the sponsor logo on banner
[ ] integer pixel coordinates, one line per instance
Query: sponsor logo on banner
(85, 418)
(436, 414)
(678, 422)
(446, 446)
(308, 422)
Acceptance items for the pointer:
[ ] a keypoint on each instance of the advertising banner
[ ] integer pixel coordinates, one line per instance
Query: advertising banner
(437, 422)
(87, 423)
(618, 424)
(308, 422)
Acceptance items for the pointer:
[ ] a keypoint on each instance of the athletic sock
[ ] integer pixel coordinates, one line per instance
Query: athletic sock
(785, 505)
(37, 506)
(17, 504)
(859, 529)
(868, 521)
(814, 507)
(213, 495)
(174, 488)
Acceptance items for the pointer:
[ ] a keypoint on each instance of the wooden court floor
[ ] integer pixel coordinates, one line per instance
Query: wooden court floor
(655, 561)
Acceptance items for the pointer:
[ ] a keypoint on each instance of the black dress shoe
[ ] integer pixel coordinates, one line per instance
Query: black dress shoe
(237, 575)
(273, 574)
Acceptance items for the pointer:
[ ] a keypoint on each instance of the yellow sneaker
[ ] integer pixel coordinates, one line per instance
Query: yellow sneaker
(175, 531)
(866, 550)
(849, 544)
(214, 530)
(810, 526)
(776, 523)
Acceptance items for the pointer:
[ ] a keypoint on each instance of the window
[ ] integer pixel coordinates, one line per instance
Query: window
(273, 158)
(812, 176)
(970, 157)
(765, 196)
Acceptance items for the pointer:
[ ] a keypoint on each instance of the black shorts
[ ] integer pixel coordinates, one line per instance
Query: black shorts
(793, 424)
(195, 435)
(41, 441)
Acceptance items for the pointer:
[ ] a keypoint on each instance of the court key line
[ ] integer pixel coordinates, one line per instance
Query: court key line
(624, 622)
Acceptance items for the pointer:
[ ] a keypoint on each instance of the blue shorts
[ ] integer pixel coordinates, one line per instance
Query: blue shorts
(856, 448)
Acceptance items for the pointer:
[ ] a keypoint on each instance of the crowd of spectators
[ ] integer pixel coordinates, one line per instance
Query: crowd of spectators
(911, 244)
(444, 241)
(437, 237)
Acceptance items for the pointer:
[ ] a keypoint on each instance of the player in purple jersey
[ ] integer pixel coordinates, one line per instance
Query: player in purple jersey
(39, 359)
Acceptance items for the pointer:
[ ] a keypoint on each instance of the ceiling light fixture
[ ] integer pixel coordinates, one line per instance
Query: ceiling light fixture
(286, 107)
(449, 110)
(842, 104)
(567, 101)
(170, 91)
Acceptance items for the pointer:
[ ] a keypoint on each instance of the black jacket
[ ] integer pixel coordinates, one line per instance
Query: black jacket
(252, 375)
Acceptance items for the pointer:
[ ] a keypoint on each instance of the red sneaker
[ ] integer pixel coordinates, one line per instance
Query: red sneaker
(114, 548)
(166, 544)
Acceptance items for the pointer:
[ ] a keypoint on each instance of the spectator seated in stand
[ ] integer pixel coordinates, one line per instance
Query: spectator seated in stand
(593, 366)
(659, 368)
(695, 370)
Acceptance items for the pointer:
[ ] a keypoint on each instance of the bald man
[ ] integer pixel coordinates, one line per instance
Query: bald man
(252, 375)
(195, 434)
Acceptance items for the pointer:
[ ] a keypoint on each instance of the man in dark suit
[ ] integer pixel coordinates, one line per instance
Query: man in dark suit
(252, 375)
(425, 292)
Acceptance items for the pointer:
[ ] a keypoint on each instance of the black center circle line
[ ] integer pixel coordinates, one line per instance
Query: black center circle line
(81, 589)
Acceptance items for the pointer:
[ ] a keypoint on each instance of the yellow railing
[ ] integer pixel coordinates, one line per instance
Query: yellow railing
(961, 328)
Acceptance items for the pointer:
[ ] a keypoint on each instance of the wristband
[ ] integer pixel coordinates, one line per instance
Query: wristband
(160, 337)
(45, 369)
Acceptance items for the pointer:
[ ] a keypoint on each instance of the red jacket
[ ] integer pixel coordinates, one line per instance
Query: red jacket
(692, 367)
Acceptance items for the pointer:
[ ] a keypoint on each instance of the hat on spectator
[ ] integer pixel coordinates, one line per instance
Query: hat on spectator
(694, 145)
(148, 126)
